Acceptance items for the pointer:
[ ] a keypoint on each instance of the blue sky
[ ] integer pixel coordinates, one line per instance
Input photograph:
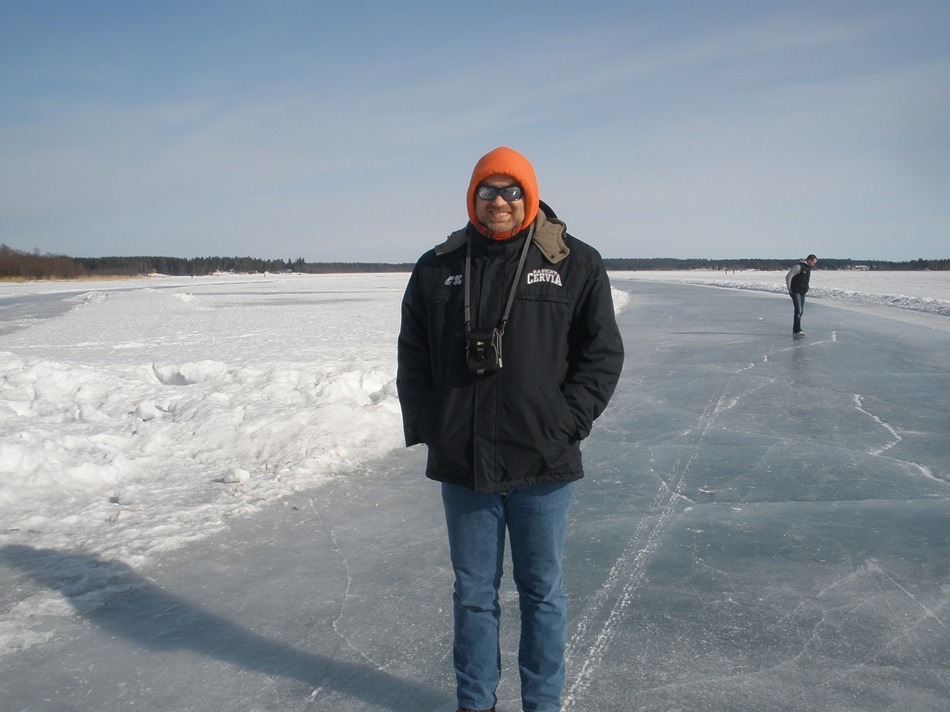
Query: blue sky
(348, 130)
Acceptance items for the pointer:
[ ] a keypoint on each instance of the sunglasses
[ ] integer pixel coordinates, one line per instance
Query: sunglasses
(508, 192)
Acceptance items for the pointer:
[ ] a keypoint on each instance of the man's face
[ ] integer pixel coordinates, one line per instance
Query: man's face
(812, 262)
(499, 215)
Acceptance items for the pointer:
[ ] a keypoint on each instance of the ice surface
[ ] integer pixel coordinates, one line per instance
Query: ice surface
(205, 507)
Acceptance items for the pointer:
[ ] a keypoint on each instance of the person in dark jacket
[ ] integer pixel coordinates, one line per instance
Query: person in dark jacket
(508, 351)
(797, 283)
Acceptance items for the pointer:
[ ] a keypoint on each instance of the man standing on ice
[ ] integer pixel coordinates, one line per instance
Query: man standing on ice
(797, 283)
(508, 351)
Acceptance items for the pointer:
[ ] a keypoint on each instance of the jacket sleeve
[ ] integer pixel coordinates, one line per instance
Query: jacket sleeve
(596, 352)
(414, 366)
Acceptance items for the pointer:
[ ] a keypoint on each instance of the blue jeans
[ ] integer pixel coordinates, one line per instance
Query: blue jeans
(535, 517)
(798, 299)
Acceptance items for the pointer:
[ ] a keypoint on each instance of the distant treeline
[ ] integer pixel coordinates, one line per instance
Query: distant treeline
(195, 266)
(15, 264)
(637, 264)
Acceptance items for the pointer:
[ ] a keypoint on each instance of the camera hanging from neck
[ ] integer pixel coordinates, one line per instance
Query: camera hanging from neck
(483, 346)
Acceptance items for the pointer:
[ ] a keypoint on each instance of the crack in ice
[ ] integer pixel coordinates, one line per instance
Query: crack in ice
(343, 606)
(859, 404)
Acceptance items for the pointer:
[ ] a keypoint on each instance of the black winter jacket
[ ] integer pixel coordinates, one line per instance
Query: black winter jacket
(562, 357)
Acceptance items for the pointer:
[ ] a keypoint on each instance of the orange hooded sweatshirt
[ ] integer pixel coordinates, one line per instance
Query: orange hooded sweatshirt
(505, 161)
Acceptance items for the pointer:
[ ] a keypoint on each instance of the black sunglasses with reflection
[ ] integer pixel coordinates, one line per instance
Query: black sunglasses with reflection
(508, 192)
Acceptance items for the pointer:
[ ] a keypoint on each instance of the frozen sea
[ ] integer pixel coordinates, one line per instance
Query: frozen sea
(205, 504)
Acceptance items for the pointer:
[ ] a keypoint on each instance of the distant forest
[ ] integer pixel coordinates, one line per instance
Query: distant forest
(15, 264)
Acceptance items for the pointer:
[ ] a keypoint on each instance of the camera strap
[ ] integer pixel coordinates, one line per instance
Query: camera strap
(514, 285)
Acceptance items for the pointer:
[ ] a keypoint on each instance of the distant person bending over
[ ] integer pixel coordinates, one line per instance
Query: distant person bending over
(797, 283)
(503, 418)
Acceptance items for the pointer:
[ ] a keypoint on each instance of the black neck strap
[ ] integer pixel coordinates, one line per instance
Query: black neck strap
(514, 285)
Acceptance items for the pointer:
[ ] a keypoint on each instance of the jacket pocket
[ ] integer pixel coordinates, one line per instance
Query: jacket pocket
(562, 424)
